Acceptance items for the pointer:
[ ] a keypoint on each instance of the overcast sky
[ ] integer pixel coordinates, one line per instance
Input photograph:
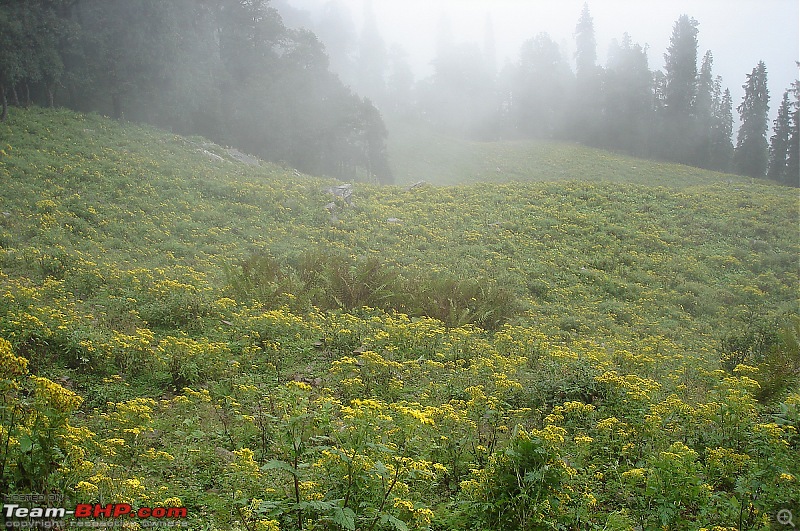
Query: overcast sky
(738, 32)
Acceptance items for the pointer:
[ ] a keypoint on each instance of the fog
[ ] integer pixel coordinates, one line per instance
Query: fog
(326, 86)
(738, 32)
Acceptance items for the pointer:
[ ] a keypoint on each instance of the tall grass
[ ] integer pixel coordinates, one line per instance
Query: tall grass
(329, 280)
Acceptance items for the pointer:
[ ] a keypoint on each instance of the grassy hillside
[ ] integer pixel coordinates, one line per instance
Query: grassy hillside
(417, 152)
(183, 328)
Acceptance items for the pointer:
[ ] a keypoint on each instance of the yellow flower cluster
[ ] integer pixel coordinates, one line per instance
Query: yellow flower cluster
(56, 396)
(11, 366)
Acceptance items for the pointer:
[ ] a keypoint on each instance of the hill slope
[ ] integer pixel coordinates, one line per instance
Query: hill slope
(191, 327)
(417, 152)
(81, 193)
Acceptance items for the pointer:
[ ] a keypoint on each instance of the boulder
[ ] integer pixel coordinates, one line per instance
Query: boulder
(345, 191)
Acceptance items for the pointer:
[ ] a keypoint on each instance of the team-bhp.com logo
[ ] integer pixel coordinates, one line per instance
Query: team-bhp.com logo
(87, 515)
(117, 510)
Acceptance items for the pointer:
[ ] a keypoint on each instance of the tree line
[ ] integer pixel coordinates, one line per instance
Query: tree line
(229, 70)
(681, 113)
(234, 72)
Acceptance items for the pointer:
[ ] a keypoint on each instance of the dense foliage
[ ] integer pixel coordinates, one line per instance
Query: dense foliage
(751, 142)
(186, 330)
(784, 145)
(228, 70)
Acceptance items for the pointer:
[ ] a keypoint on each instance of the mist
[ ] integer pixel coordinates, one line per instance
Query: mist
(500, 69)
(739, 32)
(325, 86)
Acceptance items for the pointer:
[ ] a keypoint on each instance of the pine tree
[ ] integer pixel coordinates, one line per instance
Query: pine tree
(681, 67)
(721, 128)
(30, 35)
(585, 113)
(705, 88)
(544, 78)
(793, 157)
(779, 142)
(338, 31)
(677, 141)
(372, 58)
(703, 113)
(374, 143)
(627, 98)
(400, 81)
(12, 58)
(659, 92)
(586, 53)
(751, 144)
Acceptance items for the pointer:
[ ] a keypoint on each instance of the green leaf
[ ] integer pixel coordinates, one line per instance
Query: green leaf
(319, 506)
(270, 508)
(381, 469)
(277, 464)
(345, 518)
(396, 522)
(25, 444)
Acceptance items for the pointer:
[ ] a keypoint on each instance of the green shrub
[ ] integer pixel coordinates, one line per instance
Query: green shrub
(457, 302)
(779, 370)
(36, 438)
(364, 282)
(259, 277)
(520, 488)
(336, 281)
(189, 362)
(747, 341)
(772, 345)
(175, 306)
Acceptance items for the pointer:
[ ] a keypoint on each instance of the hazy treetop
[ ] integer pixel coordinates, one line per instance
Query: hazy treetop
(739, 32)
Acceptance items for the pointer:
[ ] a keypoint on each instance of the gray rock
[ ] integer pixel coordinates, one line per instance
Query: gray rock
(212, 156)
(250, 160)
(345, 191)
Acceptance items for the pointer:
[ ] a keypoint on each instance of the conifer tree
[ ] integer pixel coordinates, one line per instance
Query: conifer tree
(678, 142)
(338, 31)
(751, 144)
(544, 78)
(586, 53)
(779, 142)
(705, 89)
(721, 150)
(585, 112)
(703, 114)
(372, 57)
(681, 67)
(400, 81)
(793, 157)
(627, 98)
(29, 51)
(659, 92)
